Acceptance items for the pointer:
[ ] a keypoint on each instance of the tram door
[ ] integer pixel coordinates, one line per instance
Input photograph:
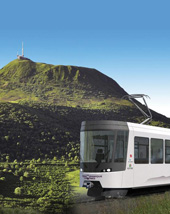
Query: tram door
(141, 161)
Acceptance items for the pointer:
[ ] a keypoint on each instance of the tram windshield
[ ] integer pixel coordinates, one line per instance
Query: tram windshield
(104, 146)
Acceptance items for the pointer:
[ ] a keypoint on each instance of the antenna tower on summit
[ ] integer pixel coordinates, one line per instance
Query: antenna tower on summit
(22, 49)
(21, 57)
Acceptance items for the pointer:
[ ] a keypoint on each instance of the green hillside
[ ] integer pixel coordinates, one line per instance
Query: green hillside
(25, 80)
(42, 107)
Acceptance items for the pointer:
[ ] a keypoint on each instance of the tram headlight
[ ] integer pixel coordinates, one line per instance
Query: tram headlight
(81, 170)
(107, 170)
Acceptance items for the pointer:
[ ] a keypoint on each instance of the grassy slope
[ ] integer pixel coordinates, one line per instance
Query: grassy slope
(23, 80)
(42, 107)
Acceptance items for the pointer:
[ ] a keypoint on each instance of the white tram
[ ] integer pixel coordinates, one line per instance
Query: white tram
(118, 156)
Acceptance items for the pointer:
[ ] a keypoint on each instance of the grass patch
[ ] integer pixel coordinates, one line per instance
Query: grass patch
(150, 204)
(74, 178)
(17, 211)
(156, 204)
(79, 193)
(43, 187)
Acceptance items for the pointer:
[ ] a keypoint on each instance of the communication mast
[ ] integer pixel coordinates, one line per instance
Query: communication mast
(22, 49)
(21, 57)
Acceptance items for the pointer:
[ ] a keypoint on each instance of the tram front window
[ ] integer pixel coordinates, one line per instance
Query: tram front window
(100, 149)
(97, 146)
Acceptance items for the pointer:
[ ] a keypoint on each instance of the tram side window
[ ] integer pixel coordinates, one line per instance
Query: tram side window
(167, 151)
(156, 150)
(141, 150)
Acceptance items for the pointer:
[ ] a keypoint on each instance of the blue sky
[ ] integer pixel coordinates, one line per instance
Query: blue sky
(127, 40)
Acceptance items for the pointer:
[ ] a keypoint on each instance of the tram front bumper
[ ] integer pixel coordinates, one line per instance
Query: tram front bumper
(106, 179)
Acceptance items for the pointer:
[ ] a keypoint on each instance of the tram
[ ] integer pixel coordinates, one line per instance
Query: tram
(117, 156)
